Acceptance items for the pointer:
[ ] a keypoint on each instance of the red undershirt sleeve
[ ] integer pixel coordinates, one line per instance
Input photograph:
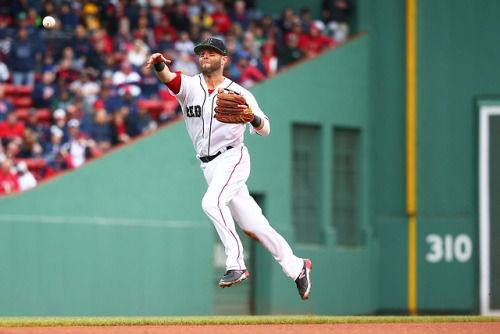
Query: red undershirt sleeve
(175, 84)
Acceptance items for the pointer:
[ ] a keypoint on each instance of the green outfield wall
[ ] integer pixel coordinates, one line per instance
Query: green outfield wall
(125, 234)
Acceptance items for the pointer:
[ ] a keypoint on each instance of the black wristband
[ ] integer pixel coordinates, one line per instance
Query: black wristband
(159, 67)
(257, 121)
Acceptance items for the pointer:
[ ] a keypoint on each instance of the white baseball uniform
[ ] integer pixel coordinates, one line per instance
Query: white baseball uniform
(227, 195)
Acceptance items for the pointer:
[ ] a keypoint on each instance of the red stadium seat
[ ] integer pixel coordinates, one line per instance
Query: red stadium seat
(154, 107)
(22, 101)
(43, 114)
(9, 90)
(24, 90)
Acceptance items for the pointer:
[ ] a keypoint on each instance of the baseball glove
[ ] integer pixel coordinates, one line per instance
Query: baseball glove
(232, 107)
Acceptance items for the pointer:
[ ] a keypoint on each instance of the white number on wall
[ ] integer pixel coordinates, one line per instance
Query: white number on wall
(448, 248)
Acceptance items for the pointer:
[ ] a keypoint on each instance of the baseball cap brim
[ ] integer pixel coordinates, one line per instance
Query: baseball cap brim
(199, 48)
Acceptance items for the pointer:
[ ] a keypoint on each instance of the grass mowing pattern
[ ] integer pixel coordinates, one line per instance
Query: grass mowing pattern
(229, 320)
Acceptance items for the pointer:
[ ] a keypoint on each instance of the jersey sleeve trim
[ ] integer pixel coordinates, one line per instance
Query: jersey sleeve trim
(175, 84)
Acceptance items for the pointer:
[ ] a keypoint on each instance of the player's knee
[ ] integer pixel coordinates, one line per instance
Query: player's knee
(209, 204)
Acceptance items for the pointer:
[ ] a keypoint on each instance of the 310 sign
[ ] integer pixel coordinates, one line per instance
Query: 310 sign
(448, 248)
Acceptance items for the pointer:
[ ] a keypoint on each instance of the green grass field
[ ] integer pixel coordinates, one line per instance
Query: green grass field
(229, 320)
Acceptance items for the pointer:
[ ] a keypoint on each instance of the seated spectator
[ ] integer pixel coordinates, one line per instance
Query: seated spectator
(80, 44)
(305, 18)
(11, 151)
(55, 144)
(44, 91)
(184, 43)
(336, 14)
(69, 20)
(239, 14)
(59, 120)
(129, 101)
(144, 31)
(231, 71)
(141, 122)
(87, 88)
(250, 45)
(66, 74)
(100, 131)
(160, 30)
(40, 129)
(77, 146)
(12, 129)
(298, 31)
(150, 85)
(61, 162)
(249, 74)
(48, 63)
(90, 15)
(203, 19)
(96, 58)
(119, 133)
(138, 55)
(285, 22)
(30, 147)
(107, 101)
(221, 18)
(193, 8)
(127, 78)
(290, 52)
(9, 183)
(25, 178)
(178, 18)
(102, 37)
(70, 62)
(210, 6)
(63, 100)
(269, 60)
(316, 41)
(166, 43)
(107, 82)
(185, 64)
(259, 34)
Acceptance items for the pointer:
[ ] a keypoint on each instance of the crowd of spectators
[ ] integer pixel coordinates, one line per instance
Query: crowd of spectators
(87, 86)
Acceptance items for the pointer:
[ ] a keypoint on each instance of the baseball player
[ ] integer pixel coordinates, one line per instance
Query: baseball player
(225, 162)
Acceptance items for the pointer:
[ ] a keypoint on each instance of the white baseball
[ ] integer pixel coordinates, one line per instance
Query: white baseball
(49, 22)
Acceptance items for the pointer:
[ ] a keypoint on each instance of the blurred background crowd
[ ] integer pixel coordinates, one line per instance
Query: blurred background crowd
(71, 93)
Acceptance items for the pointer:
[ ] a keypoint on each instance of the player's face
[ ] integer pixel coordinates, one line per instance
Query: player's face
(210, 61)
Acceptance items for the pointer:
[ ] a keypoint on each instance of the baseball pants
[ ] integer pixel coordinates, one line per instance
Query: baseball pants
(227, 196)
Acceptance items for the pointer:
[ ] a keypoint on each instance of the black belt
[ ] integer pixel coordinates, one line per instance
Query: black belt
(209, 158)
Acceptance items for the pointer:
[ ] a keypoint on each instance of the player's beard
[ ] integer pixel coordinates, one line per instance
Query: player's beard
(210, 67)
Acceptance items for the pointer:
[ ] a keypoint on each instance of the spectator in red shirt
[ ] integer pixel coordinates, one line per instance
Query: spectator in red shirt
(11, 129)
(303, 38)
(317, 42)
(269, 60)
(221, 18)
(119, 133)
(8, 179)
(164, 27)
(249, 74)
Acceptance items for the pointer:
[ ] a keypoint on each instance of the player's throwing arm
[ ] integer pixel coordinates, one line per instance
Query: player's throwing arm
(158, 61)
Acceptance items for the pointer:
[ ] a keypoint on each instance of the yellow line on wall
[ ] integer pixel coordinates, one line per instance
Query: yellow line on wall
(411, 154)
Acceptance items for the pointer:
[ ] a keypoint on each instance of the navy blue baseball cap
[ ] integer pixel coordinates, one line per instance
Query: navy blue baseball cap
(211, 43)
